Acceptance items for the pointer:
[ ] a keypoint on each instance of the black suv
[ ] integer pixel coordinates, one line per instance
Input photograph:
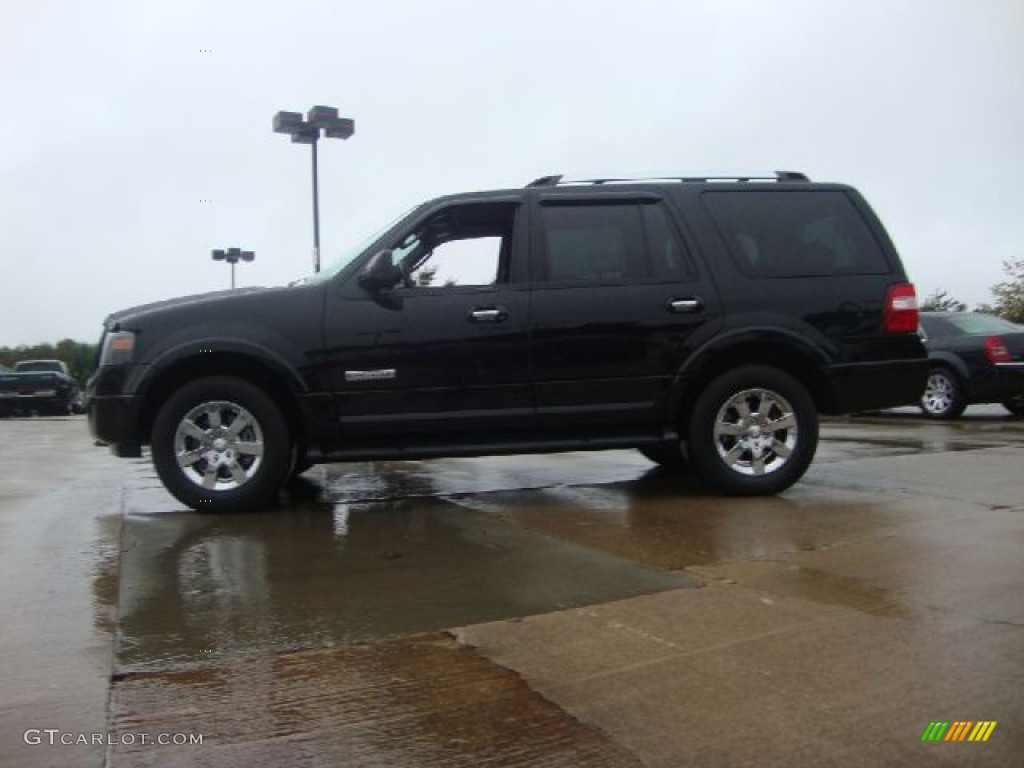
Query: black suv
(705, 321)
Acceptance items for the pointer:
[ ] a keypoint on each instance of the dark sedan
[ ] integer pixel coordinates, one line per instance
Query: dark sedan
(975, 358)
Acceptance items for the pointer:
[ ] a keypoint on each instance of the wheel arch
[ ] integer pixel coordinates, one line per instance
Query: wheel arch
(172, 371)
(946, 359)
(784, 351)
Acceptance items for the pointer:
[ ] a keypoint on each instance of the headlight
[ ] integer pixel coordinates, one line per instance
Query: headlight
(118, 348)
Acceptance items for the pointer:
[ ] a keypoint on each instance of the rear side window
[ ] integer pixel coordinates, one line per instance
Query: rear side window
(965, 324)
(610, 243)
(795, 233)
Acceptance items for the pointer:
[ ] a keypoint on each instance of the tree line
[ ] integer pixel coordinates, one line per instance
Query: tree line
(79, 357)
(1008, 296)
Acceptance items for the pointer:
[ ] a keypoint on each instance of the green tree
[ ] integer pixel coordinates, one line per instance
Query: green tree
(940, 301)
(1009, 294)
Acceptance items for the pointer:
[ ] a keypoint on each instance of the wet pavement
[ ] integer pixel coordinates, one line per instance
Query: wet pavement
(575, 609)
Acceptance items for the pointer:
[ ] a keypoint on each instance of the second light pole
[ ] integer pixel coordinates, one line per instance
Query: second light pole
(232, 256)
(307, 131)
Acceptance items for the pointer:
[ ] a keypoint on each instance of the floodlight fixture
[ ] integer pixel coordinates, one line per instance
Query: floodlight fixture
(318, 119)
(232, 256)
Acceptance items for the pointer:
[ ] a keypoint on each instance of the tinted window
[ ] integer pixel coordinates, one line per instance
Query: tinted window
(935, 326)
(610, 243)
(664, 250)
(795, 233)
(967, 323)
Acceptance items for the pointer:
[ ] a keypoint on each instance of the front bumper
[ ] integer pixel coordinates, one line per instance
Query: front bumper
(52, 402)
(116, 422)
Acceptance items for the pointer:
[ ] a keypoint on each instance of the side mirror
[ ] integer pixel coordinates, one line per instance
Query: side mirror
(380, 273)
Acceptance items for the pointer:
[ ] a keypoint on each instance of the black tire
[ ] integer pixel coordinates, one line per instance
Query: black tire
(301, 467)
(943, 396)
(1015, 405)
(668, 456)
(231, 469)
(733, 452)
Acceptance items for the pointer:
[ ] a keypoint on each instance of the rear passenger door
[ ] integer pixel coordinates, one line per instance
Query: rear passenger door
(616, 306)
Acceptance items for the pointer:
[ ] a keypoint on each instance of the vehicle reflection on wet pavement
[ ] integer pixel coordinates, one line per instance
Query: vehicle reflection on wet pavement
(327, 573)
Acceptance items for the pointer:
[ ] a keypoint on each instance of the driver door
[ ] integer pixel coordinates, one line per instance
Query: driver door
(444, 352)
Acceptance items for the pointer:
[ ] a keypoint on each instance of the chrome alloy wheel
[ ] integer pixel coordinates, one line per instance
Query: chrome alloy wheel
(218, 445)
(755, 432)
(939, 394)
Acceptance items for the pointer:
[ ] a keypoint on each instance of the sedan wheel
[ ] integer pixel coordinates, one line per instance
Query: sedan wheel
(942, 398)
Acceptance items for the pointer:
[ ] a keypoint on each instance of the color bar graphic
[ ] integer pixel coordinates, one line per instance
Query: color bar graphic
(982, 731)
(958, 730)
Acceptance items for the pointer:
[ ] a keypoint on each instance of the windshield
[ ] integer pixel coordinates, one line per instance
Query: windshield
(351, 254)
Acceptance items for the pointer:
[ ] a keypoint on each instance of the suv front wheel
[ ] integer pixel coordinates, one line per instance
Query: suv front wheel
(220, 444)
(753, 431)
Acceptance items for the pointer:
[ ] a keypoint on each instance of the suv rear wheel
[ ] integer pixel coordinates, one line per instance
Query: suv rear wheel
(753, 431)
(220, 444)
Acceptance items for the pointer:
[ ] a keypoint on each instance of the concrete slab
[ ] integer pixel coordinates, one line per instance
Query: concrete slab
(733, 676)
(418, 702)
(59, 533)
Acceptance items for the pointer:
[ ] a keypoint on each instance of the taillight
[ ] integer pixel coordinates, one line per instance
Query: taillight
(996, 351)
(900, 309)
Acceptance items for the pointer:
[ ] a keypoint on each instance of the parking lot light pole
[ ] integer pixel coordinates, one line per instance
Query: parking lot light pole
(307, 131)
(232, 256)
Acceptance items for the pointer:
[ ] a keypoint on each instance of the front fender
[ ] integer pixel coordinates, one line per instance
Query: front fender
(197, 348)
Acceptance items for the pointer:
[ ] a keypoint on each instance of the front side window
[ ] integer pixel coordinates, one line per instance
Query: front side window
(461, 246)
(795, 233)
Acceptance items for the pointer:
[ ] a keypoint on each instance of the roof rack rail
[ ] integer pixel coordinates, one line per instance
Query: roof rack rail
(555, 180)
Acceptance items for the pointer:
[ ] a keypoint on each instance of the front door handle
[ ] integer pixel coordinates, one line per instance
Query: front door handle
(488, 315)
(684, 305)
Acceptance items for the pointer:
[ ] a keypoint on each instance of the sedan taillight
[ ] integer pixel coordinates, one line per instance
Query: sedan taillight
(901, 309)
(996, 351)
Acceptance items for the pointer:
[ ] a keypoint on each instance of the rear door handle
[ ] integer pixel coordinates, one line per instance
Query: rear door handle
(488, 315)
(685, 304)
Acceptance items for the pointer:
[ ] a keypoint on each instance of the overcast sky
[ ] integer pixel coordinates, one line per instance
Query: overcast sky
(117, 124)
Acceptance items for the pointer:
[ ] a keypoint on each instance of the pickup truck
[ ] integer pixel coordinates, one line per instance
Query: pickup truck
(39, 386)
